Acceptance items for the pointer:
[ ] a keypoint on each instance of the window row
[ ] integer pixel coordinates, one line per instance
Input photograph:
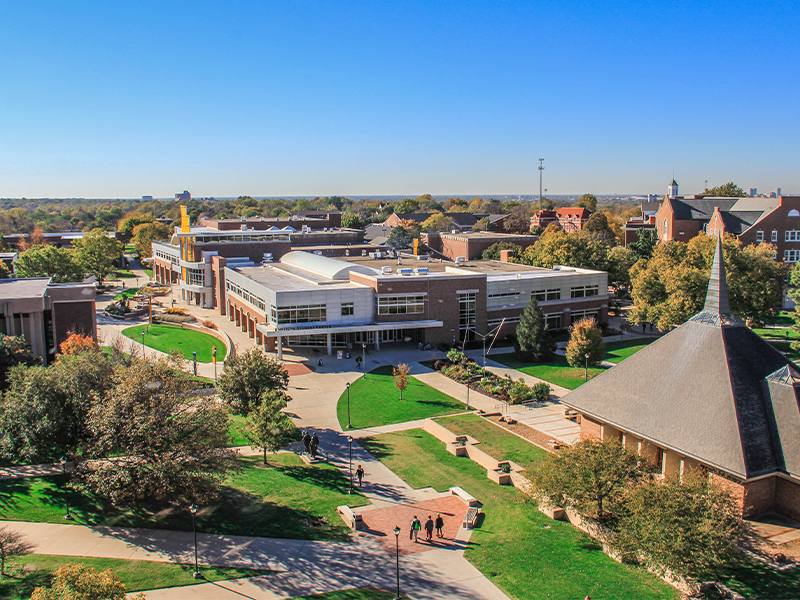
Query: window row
(401, 305)
(585, 291)
(195, 277)
(245, 295)
(793, 236)
(299, 314)
(546, 295)
(578, 315)
(791, 255)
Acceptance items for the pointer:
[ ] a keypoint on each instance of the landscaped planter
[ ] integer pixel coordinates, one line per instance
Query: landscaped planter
(457, 449)
(499, 476)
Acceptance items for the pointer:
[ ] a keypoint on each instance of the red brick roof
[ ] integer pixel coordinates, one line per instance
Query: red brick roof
(573, 212)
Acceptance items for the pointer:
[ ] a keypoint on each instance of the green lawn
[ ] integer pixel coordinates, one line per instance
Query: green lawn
(616, 352)
(786, 348)
(521, 550)
(286, 498)
(35, 570)
(494, 440)
(557, 371)
(234, 431)
(354, 594)
(167, 338)
(375, 401)
(127, 293)
(149, 272)
(778, 333)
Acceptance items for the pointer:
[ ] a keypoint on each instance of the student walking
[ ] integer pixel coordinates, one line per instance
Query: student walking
(360, 474)
(416, 525)
(439, 526)
(428, 529)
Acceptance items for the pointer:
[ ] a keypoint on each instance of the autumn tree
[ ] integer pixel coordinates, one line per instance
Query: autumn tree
(79, 582)
(268, 428)
(493, 251)
(689, 525)
(591, 476)
(97, 253)
(646, 242)
(555, 247)
(585, 338)
(598, 230)
(534, 342)
(49, 261)
(587, 201)
(400, 374)
(406, 206)
(247, 376)
(130, 221)
(12, 543)
(77, 343)
(14, 350)
(437, 222)
(153, 440)
(145, 234)
(352, 220)
(483, 225)
(620, 261)
(399, 238)
(726, 190)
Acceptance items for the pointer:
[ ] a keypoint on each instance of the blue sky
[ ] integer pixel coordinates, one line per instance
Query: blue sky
(121, 99)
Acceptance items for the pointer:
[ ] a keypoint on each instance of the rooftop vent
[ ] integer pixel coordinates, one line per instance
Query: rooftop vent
(405, 271)
(363, 253)
(423, 256)
(422, 270)
(386, 270)
(267, 257)
(318, 252)
(243, 227)
(460, 260)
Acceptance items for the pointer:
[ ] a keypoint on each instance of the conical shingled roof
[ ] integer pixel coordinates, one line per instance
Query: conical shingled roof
(702, 391)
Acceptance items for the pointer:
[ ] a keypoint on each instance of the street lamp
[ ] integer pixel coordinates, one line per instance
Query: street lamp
(142, 343)
(364, 359)
(349, 424)
(214, 357)
(63, 462)
(194, 360)
(193, 510)
(350, 442)
(586, 368)
(397, 556)
(467, 394)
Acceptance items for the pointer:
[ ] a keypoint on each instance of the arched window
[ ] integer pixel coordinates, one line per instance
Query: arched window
(794, 213)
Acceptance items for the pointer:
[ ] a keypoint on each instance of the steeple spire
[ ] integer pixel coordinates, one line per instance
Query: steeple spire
(717, 296)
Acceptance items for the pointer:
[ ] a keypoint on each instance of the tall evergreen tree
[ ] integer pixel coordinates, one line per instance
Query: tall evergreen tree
(534, 343)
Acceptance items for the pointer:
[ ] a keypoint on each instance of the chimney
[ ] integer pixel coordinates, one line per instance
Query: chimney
(504, 255)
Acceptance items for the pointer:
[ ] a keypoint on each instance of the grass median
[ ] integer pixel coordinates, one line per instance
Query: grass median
(557, 371)
(168, 338)
(375, 401)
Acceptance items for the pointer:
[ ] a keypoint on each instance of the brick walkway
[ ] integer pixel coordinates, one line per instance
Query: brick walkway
(381, 522)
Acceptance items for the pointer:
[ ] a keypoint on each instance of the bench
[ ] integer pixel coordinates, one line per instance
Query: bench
(471, 518)
(352, 518)
(468, 498)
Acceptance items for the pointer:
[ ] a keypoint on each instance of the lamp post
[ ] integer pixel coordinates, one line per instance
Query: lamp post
(397, 557)
(586, 368)
(194, 360)
(193, 510)
(142, 343)
(349, 424)
(350, 442)
(467, 395)
(214, 358)
(541, 168)
(364, 358)
(63, 462)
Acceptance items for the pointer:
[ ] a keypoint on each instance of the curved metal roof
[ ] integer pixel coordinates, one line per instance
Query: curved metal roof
(324, 266)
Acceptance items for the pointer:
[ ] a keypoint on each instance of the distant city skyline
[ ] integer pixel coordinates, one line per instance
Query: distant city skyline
(289, 99)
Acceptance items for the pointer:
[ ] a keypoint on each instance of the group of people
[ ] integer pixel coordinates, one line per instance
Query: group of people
(430, 525)
(311, 443)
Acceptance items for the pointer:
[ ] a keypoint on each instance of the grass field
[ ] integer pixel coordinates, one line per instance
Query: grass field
(557, 371)
(36, 570)
(127, 293)
(494, 440)
(375, 401)
(521, 550)
(286, 498)
(779, 334)
(616, 352)
(167, 338)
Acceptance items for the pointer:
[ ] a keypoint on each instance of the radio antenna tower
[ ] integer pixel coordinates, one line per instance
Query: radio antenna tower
(541, 168)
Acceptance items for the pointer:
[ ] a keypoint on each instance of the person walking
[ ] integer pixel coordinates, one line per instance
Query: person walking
(439, 525)
(429, 529)
(416, 525)
(360, 474)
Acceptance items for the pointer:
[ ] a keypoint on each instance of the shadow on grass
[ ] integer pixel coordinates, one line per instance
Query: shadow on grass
(21, 585)
(758, 581)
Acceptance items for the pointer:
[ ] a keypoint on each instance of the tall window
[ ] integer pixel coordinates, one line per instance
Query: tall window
(791, 255)
(347, 309)
(793, 236)
(586, 290)
(401, 305)
(467, 309)
(759, 236)
(774, 235)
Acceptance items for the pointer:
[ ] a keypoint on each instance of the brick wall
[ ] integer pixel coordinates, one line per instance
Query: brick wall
(787, 498)
(78, 317)
(252, 250)
(759, 496)
(590, 428)
(780, 221)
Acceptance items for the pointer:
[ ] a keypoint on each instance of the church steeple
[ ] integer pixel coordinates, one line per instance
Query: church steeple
(717, 295)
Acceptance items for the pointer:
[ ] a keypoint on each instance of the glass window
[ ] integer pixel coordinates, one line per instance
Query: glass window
(553, 322)
(401, 305)
(791, 255)
(348, 309)
(301, 314)
(793, 236)
(774, 235)
(759, 236)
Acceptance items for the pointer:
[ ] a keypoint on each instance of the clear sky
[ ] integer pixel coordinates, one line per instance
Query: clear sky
(121, 99)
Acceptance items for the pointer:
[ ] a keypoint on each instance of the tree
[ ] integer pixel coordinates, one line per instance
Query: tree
(534, 342)
(406, 205)
(516, 223)
(76, 343)
(493, 251)
(352, 220)
(598, 229)
(49, 261)
(246, 377)
(14, 350)
(587, 201)
(166, 444)
(45, 410)
(647, 240)
(12, 543)
(399, 238)
(483, 225)
(671, 287)
(130, 221)
(268, 428)
(437, 222)
(400, 374)
(591, 476)
(555, 247)
(79, 582)
(585, 338)
(97, 253)
(620, 261)
(145, 234)
(726, 190)
(689, 526)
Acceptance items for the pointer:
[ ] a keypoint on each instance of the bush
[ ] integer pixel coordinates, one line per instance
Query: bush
(177, 311)
(541, 392)
(438, 365)
(209, 324)
(164, 318)
(585, 338)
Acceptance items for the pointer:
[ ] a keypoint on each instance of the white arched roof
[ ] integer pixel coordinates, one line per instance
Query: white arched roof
(324, 266)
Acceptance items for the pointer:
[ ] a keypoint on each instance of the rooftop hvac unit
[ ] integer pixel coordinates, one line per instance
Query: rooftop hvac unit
(318, 252)
(242, 218)
(405, 271)
(267, 257)
(422, 271)
(376, 255)
(386, 270)
(243, 227)
(460, 260)
(422, 257)
(363, 253)
(347, 252)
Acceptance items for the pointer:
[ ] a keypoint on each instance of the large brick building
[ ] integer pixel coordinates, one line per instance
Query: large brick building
(568, 218)
(460, 221)
(471, 244)
(710, 395)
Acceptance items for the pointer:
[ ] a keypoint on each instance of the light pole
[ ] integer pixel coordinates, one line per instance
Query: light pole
(350, 442)
(364, 359)
(214, 357)
(193, 510)
(586, 368)
(63, 462)
(397, 557)
(142, 343)
(349, 424)
(194, 360)
(467, 395)
(541, 168)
